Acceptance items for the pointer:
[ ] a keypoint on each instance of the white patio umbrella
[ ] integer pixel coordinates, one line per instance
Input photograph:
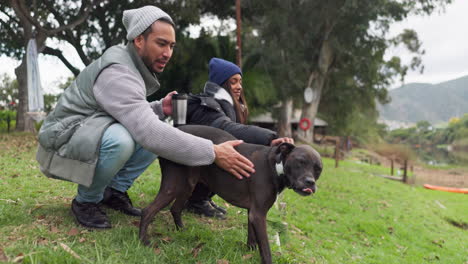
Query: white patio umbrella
(35, 96)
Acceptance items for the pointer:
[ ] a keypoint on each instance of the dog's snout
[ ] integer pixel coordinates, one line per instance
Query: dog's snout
(309, 181)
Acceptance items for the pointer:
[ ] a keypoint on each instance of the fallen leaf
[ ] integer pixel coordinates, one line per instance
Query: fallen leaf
(69, 250)
(19, 258)
(222, 261)
(73, 232)
(3, 257)
(197, 249)
(390, 230)
(157, 251)
(166, 239)
(438, 243)
(40, 217)
(54, 229)
(136, 223)
(248, 256)
(81, 240)
(42, 241)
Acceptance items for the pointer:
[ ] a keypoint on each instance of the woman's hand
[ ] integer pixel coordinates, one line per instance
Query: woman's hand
(276, 142)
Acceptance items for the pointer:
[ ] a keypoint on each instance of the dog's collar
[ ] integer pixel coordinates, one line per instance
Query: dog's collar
(279, 168)
(279, 165)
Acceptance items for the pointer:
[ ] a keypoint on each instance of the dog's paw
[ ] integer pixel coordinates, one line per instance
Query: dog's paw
(145, 241)
(252, 246)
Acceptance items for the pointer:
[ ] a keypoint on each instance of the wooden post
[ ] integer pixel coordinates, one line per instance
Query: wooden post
(337, 152)
(405, 170)
(238, 31)
(8, 121)
(391, 166)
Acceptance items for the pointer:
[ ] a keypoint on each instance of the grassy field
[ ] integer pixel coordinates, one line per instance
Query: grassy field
(355, 217)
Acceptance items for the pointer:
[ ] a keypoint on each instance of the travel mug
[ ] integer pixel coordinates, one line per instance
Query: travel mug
(179, 109)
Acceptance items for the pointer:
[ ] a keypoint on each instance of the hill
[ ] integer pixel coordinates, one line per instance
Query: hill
(436, 103)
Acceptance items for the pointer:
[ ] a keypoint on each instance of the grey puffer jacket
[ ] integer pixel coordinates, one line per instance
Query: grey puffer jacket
(112, 89)
(215, 108)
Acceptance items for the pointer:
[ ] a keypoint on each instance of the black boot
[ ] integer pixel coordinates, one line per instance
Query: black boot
(119, 201)
(204, 208)
(217, 207)
(90, 215)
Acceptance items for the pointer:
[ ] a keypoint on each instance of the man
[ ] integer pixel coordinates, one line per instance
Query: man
(103, 133)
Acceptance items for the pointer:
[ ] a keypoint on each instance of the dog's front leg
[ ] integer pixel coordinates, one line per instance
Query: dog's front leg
(251, 238)
(257, 218)
(164, 198)
(190, 178)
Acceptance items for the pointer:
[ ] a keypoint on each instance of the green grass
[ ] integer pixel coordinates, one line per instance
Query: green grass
(355, 217)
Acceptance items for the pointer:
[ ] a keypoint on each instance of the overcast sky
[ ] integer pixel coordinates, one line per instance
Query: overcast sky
(444, 36)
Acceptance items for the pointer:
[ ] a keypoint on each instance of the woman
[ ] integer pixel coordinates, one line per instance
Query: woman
(223, 105)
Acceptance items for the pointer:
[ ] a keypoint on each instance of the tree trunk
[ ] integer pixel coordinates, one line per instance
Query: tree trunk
(316, 83)
(23, 121)
(309, 110)
(284, 121)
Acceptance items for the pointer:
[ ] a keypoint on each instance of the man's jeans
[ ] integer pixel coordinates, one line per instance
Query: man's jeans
(120, 162)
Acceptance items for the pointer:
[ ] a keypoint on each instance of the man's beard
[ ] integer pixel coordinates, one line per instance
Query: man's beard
(148, 63)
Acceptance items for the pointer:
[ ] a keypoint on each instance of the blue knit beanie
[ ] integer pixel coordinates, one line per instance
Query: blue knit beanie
(221, 70)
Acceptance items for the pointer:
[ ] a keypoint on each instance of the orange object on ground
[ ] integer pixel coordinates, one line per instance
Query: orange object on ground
(446, 189)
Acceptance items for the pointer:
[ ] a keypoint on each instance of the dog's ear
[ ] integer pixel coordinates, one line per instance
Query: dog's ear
(283, 151)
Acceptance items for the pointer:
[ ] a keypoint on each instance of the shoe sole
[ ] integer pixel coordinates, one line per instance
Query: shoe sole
(118, 210)
(88, 226)
(222, 217)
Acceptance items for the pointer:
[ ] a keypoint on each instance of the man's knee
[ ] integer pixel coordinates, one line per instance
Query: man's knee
(118, 141)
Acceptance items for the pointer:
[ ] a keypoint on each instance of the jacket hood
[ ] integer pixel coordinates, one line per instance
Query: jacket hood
(218, 92)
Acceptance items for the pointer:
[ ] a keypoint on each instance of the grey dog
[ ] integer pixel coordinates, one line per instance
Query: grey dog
(276, 168)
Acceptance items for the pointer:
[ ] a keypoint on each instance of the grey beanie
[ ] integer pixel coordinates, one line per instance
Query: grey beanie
(138, 20)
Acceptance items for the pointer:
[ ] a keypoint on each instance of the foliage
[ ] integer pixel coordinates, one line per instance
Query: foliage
(355, 217)
(8, 92)
(424, 134)
(188, 73)
(7, 120)
(402, 152)
(343, 42)
(283, 43)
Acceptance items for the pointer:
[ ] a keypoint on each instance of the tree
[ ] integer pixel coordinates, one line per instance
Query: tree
(333, 46)
(90, 26)
(23, 20)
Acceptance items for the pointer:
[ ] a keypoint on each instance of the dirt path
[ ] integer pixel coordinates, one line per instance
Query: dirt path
(454, 177)
(449, 178)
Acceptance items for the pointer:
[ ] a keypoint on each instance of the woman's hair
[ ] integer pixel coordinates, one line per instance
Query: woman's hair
(240, 106)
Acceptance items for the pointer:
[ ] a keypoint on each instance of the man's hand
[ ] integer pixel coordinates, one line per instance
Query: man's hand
(278, 141)
(167, 103)
(232, 161)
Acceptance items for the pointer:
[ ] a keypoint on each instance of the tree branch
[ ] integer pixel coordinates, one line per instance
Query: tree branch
(85, 10)
(27, 27)
(101, 15)
(58, 53)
